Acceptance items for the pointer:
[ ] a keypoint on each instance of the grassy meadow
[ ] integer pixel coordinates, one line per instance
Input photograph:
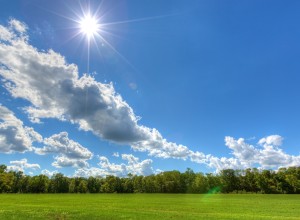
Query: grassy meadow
(149, 206)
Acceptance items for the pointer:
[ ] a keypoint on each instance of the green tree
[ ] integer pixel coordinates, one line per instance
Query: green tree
(266, 182)
(229, 181)
(200, 184)
(188, 177)
(24, 184)
(128, 185)
(59, 183)
(138, 184)
(93, 184)
(110, 185)
(38, 184)
(214, 182)
(83, 186)
(3, 168)
(17, 181)
(6, 182)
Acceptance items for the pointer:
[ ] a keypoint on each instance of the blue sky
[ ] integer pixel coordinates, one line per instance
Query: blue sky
(162, 85)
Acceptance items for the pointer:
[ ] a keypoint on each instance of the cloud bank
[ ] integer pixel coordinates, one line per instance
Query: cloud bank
(55, 89)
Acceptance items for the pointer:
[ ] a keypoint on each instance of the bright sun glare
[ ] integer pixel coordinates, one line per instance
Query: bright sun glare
(89, 26)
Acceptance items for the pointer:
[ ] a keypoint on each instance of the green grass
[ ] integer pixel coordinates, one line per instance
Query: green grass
(148, 206)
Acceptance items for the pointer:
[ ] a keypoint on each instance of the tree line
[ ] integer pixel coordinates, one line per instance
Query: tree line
(285, 180)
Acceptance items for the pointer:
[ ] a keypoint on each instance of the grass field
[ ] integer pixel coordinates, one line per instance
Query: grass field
(148, 206)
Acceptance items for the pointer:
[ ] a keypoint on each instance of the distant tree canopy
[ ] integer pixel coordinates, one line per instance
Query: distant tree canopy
(285, 180)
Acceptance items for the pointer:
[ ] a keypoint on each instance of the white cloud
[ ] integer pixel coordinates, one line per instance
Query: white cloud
(49, 173)
(55, 90)
(198, 157)
(115, 154)
(112, 168)
(15, 31)
(14, 136)
(275, 140)
(61, 144)
(130, 159)
(133, 166)
(70, 152)
(5, 34)
(15, 168)
(87, 172)
(157, 146)
(21, 165)
(246, 155)
(18, 26)
(63, 161)
(273, 157)
(224, 163)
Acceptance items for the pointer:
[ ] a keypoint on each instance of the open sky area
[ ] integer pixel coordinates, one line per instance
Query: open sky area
(128, 86)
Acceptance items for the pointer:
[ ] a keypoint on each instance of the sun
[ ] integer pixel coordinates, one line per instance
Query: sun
(89, 26)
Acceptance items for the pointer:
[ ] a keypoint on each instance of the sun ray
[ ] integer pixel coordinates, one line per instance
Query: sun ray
(138, 20)
(89, 27)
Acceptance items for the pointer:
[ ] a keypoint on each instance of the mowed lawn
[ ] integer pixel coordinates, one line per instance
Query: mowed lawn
(148, 206)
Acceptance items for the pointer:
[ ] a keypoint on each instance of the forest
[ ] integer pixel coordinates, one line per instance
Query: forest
(282, 181)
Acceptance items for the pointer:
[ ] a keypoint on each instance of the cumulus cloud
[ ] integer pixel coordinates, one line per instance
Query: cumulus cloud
(70, 152)
(133, 166)
(14, 136)
(270, 156)
(49, 173)
(275, 140)
(5, 34)
(273, 157)
(61, 144)
(55, 90)
(223, 163)
(21, 165)
(19, 26)
(63, 161)
(158, 146)
(245, 153)
(93, 171)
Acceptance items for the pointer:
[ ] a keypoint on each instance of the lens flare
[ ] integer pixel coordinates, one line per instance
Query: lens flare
(89, 26)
